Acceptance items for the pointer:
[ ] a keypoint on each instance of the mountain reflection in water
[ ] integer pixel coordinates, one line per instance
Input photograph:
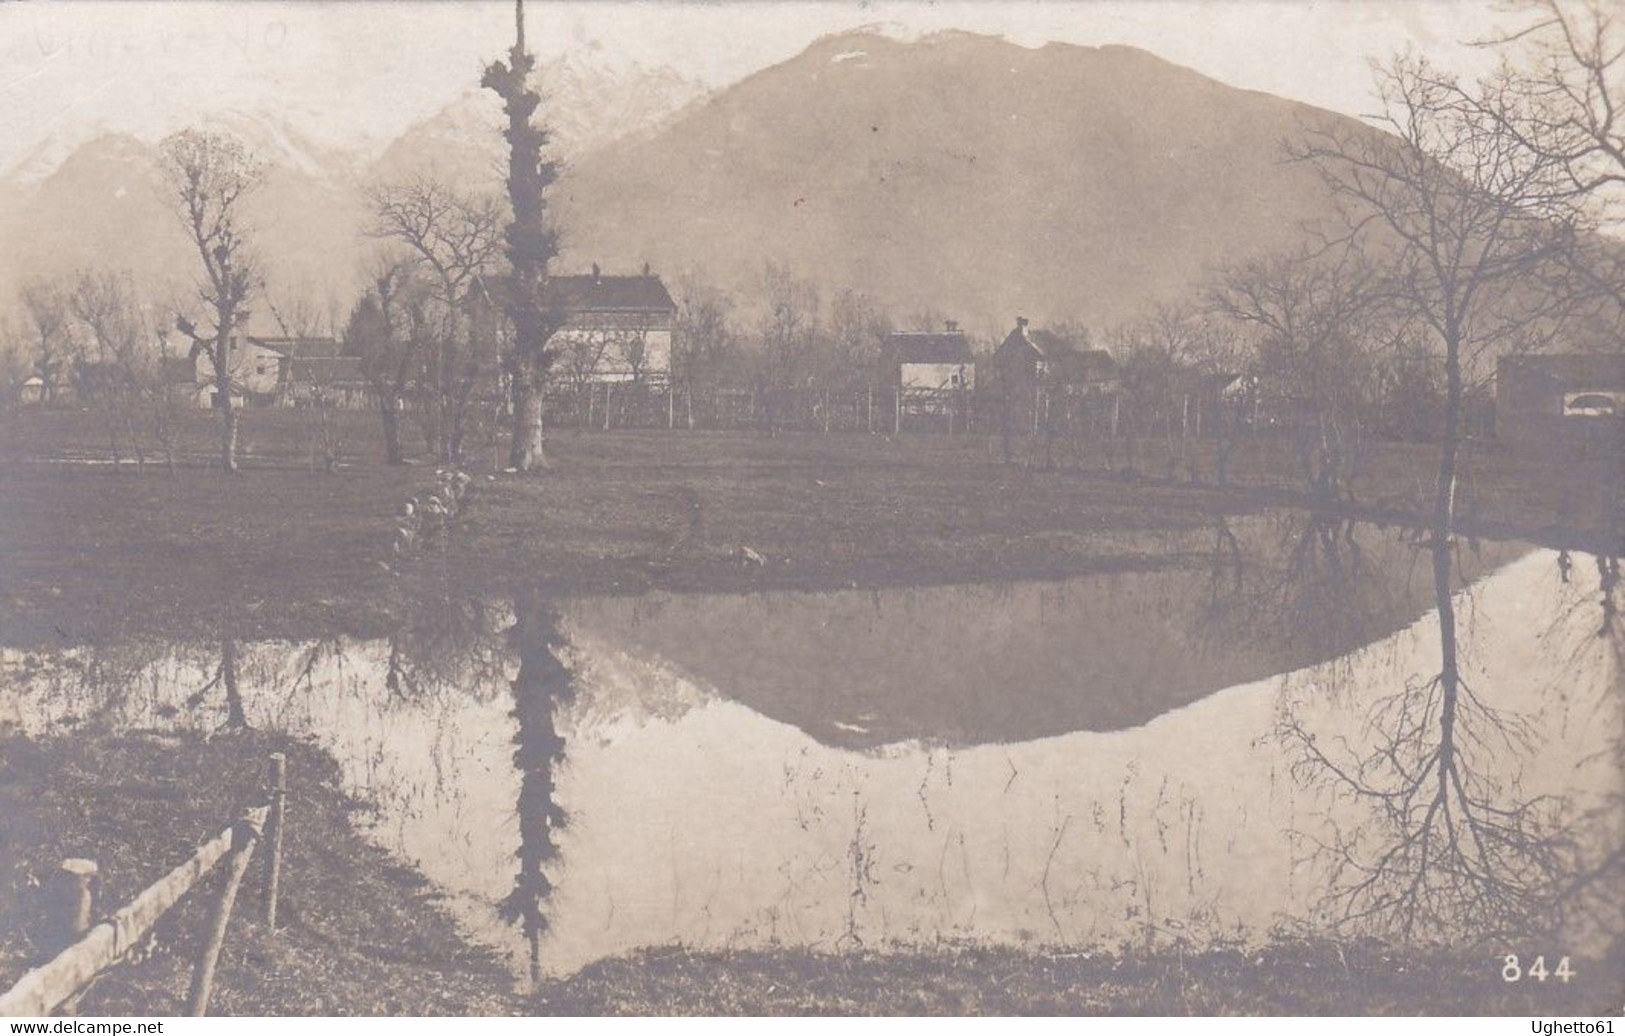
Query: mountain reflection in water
(1092, 760)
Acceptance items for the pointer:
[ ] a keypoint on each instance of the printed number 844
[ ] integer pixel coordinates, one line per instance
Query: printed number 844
(1513, 971)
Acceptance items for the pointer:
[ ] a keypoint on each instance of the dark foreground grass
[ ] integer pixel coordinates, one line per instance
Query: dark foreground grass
(361, 935)
(1303, 977)
(283, 550)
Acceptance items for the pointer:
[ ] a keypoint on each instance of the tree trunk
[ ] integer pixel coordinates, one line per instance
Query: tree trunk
(222, 399)
(1444, 512)
(236, 715)
(389, 414)
(527, 450)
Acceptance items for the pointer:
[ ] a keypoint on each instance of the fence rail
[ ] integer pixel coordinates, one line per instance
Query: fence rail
(104, 944)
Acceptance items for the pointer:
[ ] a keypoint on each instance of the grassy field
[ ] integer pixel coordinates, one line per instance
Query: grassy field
(89, 550)
(361, 935)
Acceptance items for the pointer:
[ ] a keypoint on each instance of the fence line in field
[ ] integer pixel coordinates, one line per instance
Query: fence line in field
(104, 944)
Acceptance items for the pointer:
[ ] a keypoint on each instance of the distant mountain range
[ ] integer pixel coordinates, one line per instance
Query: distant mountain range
(956, 174)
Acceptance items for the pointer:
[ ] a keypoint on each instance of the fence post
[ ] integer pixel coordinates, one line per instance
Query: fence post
(243, 835)
(77, 905)
(897, 420)
(278, 780)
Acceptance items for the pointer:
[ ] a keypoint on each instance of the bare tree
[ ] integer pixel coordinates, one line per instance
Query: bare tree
(384, 334)
(210, 174)
(1570, 93)
(1561, 97)
(1466, 222)
(47, 312)
(457, 238)
(790, 334)
(118, 373)
(703, 337)
(1311, 324)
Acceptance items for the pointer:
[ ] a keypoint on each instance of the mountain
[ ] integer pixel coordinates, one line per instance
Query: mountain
(89, 195)
(586, 103)
(959, 174)
(109, 204)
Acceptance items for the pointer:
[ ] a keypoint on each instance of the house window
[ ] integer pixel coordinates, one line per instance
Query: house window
(954, 379)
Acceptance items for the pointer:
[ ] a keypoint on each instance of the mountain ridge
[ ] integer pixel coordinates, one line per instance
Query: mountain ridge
(956, 173)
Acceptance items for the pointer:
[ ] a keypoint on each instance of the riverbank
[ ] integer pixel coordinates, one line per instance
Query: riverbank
(357, 932)
(361, 935)
(1310, 977)
(89, 551)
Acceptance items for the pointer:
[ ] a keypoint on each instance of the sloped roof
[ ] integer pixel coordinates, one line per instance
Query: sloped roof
(1580, 370)
(589, 293)
(325, 370)
(177, 370)
(298, 346)
(1045, 344)
(927, 347)
(1049, 344)
(1073, 366)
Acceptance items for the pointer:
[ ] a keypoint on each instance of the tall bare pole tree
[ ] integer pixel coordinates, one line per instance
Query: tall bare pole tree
(210, 175)
(531, 246)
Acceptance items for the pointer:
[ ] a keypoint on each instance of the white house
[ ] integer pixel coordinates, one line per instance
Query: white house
(935, 361)
(616, 329)
(255, 371)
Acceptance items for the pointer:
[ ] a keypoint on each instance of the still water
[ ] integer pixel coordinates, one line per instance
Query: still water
(1092, 761)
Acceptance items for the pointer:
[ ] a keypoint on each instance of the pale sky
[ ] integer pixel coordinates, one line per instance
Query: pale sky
(354, 73)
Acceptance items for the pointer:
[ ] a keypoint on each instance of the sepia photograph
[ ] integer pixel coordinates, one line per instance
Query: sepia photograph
(679, 509)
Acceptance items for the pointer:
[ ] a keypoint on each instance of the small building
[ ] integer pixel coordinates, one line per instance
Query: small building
(335, 381)
(303, 346)
(256, 372)
(616, 328)
(1562, 396)
(32, 390)
(928, 361)
(1030, 357)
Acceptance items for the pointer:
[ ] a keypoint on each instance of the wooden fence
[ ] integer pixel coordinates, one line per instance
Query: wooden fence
(99, 946)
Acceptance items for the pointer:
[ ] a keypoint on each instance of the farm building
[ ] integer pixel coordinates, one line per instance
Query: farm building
(928, 361)
(616, 328)
(256, 373)
(335, 381)
(1564, 396)
(1031, 357)
(32, 390)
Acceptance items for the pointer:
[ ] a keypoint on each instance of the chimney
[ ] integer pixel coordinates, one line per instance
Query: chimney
(645, 269)
(1021, 322)
(597, 275)
(952, 326)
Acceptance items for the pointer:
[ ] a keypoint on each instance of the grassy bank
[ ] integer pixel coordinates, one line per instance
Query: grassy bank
(1314, 977)
(89, 551)
(357, 933)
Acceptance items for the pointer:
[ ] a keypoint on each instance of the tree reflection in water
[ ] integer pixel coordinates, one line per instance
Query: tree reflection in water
(226, 678)
(1314, 593)
(1449, 846)
(542, 685)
